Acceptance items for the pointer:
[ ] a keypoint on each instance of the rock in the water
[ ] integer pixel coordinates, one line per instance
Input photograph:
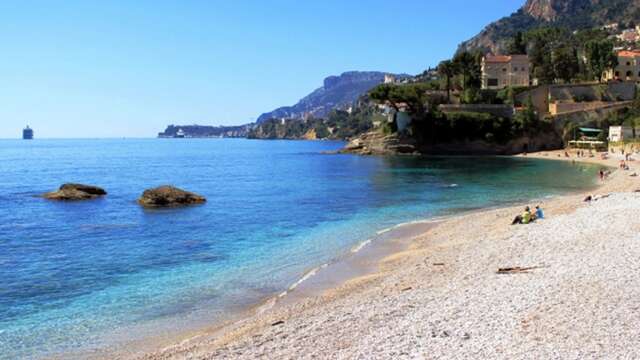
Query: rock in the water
(74, 192)
(167, 196)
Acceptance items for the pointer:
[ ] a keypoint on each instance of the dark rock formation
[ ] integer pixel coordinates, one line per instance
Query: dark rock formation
(169, 196)
(75, 192)
(375, 143)
(551, 10)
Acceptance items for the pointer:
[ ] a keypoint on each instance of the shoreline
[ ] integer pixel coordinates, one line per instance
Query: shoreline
(301, 296)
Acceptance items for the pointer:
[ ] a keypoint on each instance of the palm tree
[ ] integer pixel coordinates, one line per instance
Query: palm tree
(466, 64)
(448, 70)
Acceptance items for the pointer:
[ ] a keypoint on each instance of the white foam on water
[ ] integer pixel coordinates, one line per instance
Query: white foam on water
(360, 246)
(304, 278)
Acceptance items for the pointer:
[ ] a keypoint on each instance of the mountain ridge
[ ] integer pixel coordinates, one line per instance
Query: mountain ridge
(571, 14)
(337, 92)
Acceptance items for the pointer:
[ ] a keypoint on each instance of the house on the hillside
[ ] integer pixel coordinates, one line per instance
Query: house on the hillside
(389, 79)
(628, 68)
(500, 71)
(629, 35)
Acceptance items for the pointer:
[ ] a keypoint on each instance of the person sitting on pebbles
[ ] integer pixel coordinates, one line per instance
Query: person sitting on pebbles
(526, 218)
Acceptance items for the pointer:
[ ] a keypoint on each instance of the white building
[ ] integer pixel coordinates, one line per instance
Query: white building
(620, 133)
(389, 79)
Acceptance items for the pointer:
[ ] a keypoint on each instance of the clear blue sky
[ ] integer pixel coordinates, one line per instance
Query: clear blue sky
(129, 68)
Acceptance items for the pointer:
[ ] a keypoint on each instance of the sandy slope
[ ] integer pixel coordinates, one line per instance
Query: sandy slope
(442, 298)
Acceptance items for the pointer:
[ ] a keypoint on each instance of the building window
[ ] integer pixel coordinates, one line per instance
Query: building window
(628, 63)
(504, 69)
(492, 82)
(617, 74)
(629, 74)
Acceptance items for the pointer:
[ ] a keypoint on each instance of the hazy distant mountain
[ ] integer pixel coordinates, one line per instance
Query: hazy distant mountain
(573, 14)
(338, 92)
(204, 131)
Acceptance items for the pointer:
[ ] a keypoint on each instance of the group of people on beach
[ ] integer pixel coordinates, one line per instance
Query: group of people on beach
(582, 154)
(528, 216)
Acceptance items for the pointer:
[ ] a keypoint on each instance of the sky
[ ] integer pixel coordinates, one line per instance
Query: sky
(118, 68)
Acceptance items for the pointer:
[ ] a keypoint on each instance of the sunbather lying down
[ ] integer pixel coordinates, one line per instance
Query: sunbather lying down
(528, 217)
(591, 198)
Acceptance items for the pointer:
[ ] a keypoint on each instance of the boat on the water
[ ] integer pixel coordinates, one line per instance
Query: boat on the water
(27, 133)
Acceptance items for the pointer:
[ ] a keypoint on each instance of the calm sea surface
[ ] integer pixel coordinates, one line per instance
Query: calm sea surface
(82, 275)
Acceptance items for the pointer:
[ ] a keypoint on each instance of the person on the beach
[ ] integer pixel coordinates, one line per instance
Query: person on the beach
(539, 213)
(601, 173)
(526, 215)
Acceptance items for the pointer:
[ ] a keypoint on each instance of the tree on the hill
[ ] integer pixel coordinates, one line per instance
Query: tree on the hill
(600, 57)
(517, 46)
(448, 70)
(468, 66)
(565, 63)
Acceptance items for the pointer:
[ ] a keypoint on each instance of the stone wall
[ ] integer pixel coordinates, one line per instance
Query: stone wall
(614, 91)
(544, 96)
(560, 107)
(505, 111)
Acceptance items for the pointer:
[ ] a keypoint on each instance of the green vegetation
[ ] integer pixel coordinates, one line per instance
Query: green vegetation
(577, 15)
(431, 126)
(338, 125)
(600, 57)
(556, 54)
(447, 70)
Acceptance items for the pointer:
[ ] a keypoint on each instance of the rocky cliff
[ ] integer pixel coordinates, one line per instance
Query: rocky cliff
(337, 92)
(376, 143)
(572, 14)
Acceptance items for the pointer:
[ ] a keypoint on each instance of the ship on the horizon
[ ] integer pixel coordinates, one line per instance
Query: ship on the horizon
(27, 133)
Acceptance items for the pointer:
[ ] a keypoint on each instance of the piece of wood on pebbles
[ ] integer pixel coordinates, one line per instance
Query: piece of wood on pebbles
(277, 323)
(438, 264)
(516, 270)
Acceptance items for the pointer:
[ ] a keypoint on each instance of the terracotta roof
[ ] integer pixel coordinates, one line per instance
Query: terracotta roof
(503, 58)
(628, 53)
(497, 58)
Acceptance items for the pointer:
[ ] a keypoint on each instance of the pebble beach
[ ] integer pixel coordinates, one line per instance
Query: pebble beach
(571, 290)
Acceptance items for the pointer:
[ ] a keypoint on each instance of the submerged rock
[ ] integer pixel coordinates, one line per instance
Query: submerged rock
(75, 192)
(168, 196)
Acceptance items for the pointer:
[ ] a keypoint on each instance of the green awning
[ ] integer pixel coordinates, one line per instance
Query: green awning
(589, 130)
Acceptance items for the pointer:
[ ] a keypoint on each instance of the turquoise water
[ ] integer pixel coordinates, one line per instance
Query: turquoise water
(78, 276)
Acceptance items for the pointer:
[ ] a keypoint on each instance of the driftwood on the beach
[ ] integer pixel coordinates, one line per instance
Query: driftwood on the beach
(516, 270)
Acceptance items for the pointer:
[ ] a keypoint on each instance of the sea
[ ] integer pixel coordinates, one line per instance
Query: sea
(77, 277)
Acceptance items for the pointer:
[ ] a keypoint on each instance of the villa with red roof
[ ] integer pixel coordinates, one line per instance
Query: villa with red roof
(500, 71)
(628, 68)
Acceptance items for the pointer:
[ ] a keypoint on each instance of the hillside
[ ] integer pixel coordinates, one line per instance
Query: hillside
(572, 14)
(337, 92)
